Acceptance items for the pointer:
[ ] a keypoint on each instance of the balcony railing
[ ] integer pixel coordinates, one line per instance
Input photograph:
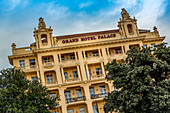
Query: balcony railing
(72, 80)
(75, 99)
(48, 64)
(101, 95)
(96, 76)
(28, 67)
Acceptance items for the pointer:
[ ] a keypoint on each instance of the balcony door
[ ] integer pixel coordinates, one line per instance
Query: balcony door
(67, 96)
(102, 90)
(78, 92)
(91, 89)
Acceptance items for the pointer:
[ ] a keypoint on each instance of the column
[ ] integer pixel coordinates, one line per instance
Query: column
(57, 67)
(84, 53)
(79, 72)
(99, 53)
(36, 41)
(62, 71)
(126, 48)
(87, 71)
(103, 70)
(60, 57)
(105, 55)
(75, 55)
(62, 98)
(86, 91)
(82, 68)
(38, 76)
(89, 107)
(41, 68)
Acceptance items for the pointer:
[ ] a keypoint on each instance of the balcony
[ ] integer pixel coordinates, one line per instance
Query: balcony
(28, 68)
(101, 95)
(92, 77)
(75, 99)
(48, 64)
(72, 80)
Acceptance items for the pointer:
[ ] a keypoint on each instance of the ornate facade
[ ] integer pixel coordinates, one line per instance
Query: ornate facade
(72, 66)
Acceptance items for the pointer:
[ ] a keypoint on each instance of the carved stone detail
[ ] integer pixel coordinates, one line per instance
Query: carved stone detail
(41, 24)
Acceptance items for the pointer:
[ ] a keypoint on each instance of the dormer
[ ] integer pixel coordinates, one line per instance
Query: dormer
(43, 35)
(127, 26)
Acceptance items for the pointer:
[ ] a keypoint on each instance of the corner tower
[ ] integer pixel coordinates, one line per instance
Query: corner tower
(43, 35)
(127, 26)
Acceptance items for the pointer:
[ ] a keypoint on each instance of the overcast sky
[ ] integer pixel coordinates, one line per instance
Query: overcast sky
(19, 17)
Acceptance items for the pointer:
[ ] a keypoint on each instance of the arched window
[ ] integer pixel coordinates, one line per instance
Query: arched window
(44, 38)
(130, 29)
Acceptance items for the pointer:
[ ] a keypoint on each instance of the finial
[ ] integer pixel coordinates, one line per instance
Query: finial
(155, 29)
(124, 14)
(13, 45)
(41, 24)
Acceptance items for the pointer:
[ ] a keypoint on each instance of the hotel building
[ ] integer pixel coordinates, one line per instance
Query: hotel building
(72, 66)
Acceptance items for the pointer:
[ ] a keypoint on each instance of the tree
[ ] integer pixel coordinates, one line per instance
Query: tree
(19, 95)
(143, 82)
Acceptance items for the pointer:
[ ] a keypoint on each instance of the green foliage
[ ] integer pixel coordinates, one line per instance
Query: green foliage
(19, 95)
(143, 82)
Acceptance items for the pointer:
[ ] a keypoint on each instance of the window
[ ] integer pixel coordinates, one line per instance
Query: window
(91, 89)
(95, 54)
(52, 95)
(95, 109)
(145, 46)
(72, 57)
(85, 55)
(66, 76)
(89, 72)
(103, 91)
(152, 45)
(82, 110)
(118, 51)
(70, 111)
(67, 96)
(130, 29)
(49, 78)
(62, 58)
(78, 92)
(32, 63)
(44, 38)
(22, 63)
(98, 71)
(75, 74)
(34, 78)
(46, 59)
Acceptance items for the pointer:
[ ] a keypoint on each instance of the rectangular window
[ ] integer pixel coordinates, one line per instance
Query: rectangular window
(118, 51)
(89, 72)
(98, 71)
(145, 46)
(152, 45)
(103, 91)
(62, 58)
(95, 54)
(66, 76)
(32, 63)
(46, 59)
(91, 89)
(78, 92)
(70, 111)
(49, 78)
(82, 110)
(72, 57)
(34, 78)
(67, 96)
(52, 95)
(22, 63)
(95, 109)
(75, 74)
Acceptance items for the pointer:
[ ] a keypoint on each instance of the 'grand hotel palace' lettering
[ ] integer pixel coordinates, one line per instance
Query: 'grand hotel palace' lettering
(89, 38)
